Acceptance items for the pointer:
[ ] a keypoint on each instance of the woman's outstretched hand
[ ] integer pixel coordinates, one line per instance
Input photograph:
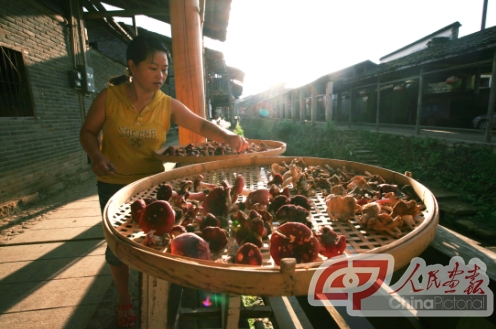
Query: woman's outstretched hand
(238, 143)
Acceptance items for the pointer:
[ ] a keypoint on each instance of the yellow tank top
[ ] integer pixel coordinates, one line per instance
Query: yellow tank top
(129, 138)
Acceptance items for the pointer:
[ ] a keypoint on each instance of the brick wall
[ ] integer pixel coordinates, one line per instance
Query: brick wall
(40, 154)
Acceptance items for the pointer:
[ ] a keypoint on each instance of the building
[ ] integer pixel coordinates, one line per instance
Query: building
(54, 58)
(440, 80)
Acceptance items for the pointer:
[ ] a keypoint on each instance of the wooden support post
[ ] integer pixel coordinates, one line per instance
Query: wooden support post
(231, 305)
(419, 102)
(378, 109)
(293, 107)
(135, 27)
(351, 106)
(155, 297)
(313, 111)
(188, 61)
(492, 101)
(328, 101)
(302, 106)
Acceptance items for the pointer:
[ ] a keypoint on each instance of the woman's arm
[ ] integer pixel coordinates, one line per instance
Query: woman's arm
(88, 136)
(185, 118)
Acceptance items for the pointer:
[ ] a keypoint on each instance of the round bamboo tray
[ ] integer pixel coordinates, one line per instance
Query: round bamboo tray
(274, 148)
(124, 238)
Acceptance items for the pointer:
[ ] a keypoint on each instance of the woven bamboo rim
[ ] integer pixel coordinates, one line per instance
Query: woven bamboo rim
(124, 237)
(274, 148)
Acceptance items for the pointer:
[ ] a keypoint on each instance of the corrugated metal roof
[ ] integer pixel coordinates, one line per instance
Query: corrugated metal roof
(216, 13)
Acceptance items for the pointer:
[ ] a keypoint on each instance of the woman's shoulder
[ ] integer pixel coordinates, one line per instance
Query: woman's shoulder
(114, 89)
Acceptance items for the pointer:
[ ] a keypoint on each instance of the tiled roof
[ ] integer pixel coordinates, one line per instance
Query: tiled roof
(477, 41)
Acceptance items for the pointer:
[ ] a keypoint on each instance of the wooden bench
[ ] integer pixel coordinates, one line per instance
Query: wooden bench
(166, 305)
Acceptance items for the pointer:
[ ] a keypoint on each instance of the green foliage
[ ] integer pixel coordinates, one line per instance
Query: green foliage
(469, 170)
(238, 130)
(301, 140)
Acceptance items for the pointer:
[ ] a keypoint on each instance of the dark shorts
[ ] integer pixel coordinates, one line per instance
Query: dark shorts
(105, 192)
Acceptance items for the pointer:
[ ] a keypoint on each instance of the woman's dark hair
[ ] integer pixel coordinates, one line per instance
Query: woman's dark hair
(138, 50)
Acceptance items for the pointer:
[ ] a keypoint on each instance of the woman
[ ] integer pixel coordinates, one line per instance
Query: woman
(134, 115)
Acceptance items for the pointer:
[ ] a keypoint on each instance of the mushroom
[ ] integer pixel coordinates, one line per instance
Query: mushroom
(249, 254)
(209, 220)
(384, 222)
(216, 238)
(293, 213)
(276, 179)
(357, 181)
(341, 208)
(137, 208)
(301, 200)
(157, 216)
(237, 189)
(176, 230)
(408, 211)
(250, 230)
(370, 210)
(260, 196)
(169, 151)
(331, 244)
(294, 240)
(217, 202)
(166, 192)
(278, 202)
(278, 169)
(190, 245)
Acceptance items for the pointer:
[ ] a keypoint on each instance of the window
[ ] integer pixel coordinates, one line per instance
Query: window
(15, 96)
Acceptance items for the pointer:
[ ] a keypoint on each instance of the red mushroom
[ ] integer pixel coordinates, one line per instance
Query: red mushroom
(301, 200)
(292, 213)
(278, 202)
(137, 208)
(237, 189)
(209, 220)
(294, 240)
(157, 216)
(331, 244)
(177, 230)
(260, 196)
(198, 183)
(169, 151)
(216, 238)
(166, 192)
(250, 230)
(217, 202)
(276, 179)
(190, 245)
(249, 254)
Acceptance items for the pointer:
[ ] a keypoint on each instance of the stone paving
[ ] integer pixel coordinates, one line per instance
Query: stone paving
(53, 272)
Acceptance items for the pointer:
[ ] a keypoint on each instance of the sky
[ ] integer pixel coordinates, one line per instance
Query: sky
(295, 42)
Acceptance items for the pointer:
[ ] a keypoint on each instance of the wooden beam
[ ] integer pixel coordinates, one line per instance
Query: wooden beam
(302, 106)
(313, 105)
(492, 102)
(187, 52)
(123, 13)
(328, 100)
(288, 314)
(419, 101)
(453, 244)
